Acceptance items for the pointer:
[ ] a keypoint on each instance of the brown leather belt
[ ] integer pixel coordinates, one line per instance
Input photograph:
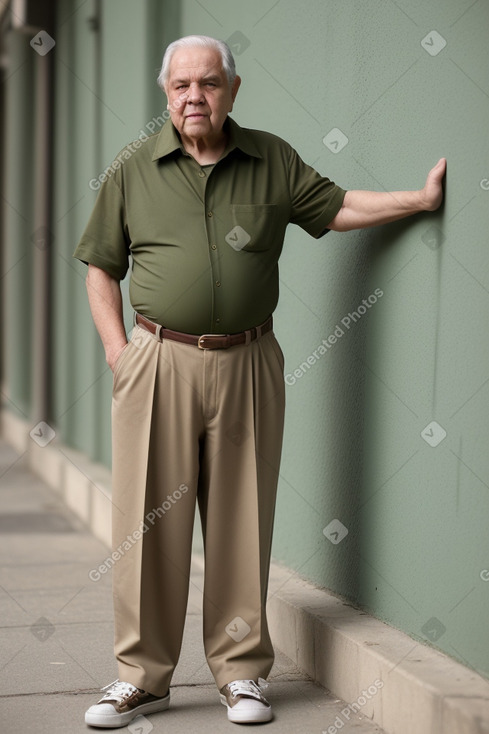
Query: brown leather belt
(206, 341)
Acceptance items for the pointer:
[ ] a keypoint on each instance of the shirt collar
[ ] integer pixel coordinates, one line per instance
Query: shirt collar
(168, 140)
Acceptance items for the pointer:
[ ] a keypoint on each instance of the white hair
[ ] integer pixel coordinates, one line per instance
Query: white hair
(204, 42)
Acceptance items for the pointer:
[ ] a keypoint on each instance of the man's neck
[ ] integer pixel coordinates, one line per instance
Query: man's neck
(206, 151)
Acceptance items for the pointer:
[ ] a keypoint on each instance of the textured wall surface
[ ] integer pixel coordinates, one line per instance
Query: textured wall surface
(384, 489)
(404, 83)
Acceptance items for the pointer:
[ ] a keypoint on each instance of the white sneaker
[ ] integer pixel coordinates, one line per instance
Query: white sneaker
(121, 704)
(245, 701)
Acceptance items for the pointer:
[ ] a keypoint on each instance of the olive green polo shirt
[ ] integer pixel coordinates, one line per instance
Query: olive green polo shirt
(205, 240)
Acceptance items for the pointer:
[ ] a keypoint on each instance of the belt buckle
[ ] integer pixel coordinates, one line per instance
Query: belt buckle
(201, 344)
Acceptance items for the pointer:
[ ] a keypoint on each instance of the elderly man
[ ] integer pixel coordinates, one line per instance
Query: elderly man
(198, 392)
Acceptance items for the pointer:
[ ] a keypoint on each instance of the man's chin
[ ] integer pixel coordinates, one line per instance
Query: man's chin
(197, 128)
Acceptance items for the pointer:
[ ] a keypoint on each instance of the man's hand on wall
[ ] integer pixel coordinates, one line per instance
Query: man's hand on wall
(433, 189)
(370, 208)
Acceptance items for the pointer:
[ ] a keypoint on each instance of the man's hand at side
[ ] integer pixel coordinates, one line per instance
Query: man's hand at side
(105, 299)
(370, 208)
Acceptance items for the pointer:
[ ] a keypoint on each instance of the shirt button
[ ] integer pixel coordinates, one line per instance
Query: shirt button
(218, 283)
(201, 174)
(209, 214)
(218, 321)
(213, 247)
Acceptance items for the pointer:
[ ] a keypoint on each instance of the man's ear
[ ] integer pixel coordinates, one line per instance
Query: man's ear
(234, 88)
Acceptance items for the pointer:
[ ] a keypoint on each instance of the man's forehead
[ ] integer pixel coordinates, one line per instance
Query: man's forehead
(196, 61)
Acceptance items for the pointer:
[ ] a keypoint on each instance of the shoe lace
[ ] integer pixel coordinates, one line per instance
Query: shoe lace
(248, 687)
(118, 690)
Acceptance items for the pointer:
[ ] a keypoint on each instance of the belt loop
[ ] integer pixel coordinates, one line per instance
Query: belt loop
(158, 332)
(247, 337)
(258, 331)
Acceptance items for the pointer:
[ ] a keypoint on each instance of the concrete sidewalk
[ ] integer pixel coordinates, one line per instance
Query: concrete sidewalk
(56, 632)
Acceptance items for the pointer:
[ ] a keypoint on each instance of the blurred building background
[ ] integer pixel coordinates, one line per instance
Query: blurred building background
(384, 490)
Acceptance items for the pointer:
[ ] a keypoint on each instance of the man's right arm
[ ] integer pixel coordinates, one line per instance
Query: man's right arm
(105, 299)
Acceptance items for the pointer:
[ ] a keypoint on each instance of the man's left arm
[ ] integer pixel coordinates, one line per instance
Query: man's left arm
(362, 209)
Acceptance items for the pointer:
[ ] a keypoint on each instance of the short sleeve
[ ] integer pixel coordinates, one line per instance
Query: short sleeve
(315, 199)
(105, 242)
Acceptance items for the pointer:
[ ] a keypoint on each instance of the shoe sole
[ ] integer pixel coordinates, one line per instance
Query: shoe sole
(242, 717)
(113, 721)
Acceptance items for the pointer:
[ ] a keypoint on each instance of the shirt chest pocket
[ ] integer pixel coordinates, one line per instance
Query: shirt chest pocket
(254, 227)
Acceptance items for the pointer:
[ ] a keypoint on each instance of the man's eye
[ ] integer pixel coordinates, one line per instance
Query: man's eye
(210, 84)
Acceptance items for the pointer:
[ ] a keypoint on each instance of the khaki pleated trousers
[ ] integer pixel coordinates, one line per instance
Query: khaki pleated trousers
(205, 426)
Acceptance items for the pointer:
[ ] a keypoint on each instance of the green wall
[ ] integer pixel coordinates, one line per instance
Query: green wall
(106, 57)
(17, 245)
(416, 552)
(416, 514)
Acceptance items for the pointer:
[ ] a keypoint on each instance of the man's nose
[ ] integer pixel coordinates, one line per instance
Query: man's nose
(194, 94)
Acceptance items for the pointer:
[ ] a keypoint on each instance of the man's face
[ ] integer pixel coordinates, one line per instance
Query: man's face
(199, 93)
